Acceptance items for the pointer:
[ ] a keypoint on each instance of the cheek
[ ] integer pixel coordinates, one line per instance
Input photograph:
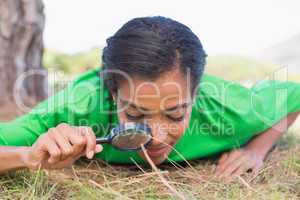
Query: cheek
(122, 117)
(178, 129)
(181, 128)
(184, 125)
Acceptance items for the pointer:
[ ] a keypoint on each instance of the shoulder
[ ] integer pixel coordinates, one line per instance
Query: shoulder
(88, 89)
(226, 101)
(224, 92)
(88, 83)
(91, 76)
(83, 94)
(212, 85)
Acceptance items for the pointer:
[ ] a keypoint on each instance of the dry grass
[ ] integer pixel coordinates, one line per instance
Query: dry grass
(279, 179)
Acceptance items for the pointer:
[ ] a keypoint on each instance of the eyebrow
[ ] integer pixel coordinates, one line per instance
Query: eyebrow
(184, 105)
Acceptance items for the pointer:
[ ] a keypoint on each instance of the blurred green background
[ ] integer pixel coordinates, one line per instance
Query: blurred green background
(244, 70)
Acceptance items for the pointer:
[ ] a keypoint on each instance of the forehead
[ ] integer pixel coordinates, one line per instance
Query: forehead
(169, 89)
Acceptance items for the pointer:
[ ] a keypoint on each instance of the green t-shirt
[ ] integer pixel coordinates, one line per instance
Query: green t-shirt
(224, 116)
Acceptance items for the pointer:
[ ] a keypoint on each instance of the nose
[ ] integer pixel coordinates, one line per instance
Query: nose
(159, 134)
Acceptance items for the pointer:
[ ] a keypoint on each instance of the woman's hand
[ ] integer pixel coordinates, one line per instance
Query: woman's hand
(251, 157)
(61, 147)
(237, 162)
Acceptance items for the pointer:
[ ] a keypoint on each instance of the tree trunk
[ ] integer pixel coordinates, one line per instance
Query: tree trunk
(21, 49)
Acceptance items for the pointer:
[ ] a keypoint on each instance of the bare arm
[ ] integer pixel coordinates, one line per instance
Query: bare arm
(265, 141)
(12, 158)
(252, 155)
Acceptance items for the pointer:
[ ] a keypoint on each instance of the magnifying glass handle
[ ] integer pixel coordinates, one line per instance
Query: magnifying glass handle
(102, 140)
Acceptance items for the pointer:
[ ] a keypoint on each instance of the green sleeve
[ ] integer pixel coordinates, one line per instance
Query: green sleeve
(82, 103)
(227, 115)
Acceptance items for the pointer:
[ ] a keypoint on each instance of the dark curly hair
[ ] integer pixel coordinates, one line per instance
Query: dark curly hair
(149, 46)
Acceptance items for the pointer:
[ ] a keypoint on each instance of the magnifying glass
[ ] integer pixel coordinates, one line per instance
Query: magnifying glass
(128, 136)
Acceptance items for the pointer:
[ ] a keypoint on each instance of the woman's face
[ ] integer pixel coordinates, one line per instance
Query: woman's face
(164, 104)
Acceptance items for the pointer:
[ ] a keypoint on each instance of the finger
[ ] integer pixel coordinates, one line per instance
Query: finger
(90, 141)
(239, 171)
(230, 158)
(221, 161)
(230, 165)
(98, 148)
(53, 150)
(77, 140)
(63, 143)
(233, 166)
(223, 158)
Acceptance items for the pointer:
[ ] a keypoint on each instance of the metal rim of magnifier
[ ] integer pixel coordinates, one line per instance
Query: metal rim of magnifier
(134, 126)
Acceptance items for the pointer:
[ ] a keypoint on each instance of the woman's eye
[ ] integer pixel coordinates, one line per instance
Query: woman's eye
(176, 119)
(134, 117)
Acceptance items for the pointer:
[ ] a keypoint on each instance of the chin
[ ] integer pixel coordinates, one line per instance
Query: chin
(156, 160)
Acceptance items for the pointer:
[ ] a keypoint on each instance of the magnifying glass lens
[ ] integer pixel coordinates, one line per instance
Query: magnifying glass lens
(128, 137)
(131, 139)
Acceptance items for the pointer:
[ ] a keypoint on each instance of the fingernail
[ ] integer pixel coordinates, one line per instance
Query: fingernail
(90, 154)
(98, 148)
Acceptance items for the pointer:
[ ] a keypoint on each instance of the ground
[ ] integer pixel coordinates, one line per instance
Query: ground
(279, 179)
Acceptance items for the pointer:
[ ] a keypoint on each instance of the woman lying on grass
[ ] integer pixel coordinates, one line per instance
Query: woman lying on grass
(153, 73)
